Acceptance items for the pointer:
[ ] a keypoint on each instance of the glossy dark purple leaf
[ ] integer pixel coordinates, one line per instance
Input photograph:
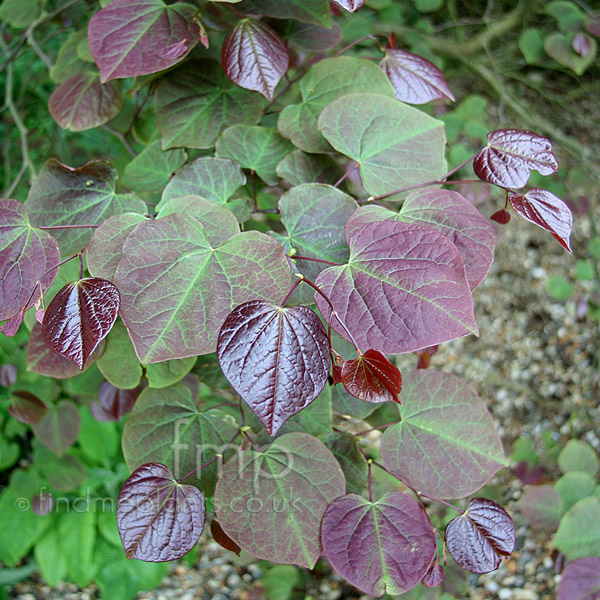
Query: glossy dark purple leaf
(581, 580)
(371, 377)
(129, 38)
(114, 403)
(82, 102)
(415, 79)
(79, 317)
(59, 427)
(547, 211)
(511, 154)
(383, 546)
(501, 216)
(434, 575)
(8, 375)
(481, 537)
(158, 518)
(254, 57)
(222, 538)
(581, 44)
(27, 256)
(26, 407)
(277, 359)
(351, 5)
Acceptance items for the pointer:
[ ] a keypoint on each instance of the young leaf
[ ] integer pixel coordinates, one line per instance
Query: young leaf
(446, 445)
(199, 285)
(415, 272)
(542, 506)
(114, 403)
(434, 575)
(501, 216)
(26, 407)
(118, 362)
(158, 518)
(194, 103)
(350, 5)
(284, 490)
(254, 57)
(379, 547)
(80, 317)
(222, 538)
(580, 580)
(545, 210)
(277, 359)
(59, 427)
(481, 536)
(128, 39)
(395, 145)
(8, 375)
(578, 534)
(82, 102)
(511, 154)
(415, 79)
(27, 256)
(371, 377)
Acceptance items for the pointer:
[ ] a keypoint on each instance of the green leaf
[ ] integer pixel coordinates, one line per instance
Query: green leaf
(167, 426)
(427, 6)
(578, 456)
(594, 248)
(558, 47)
(325, 82)
(100, 442)
(299, 167)
(307, 11)
(578, 534)
(198, 284)
(194, 103)
(152, 169)
(558, 287)
(77, 531)
(395, 145)
(25, 483)
(344, 447)
(584, 270)
(19, 13)
(279, 582)
(50, 556)
(257, 148)
(531, 45)
(568, 14)
(574, 486)
(64, 473)
(164, 374)
(119, 363)
(315, 419)
(68, 62)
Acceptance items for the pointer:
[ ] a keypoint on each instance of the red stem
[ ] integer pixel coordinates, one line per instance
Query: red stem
(296, 284)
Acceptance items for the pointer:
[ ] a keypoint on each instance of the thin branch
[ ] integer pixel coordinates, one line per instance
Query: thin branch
(121, 138)
(15, 183)
(83, 226)
(34, 46)
(319, 260)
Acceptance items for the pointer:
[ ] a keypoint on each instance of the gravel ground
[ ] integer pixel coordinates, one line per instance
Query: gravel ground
(534, 365)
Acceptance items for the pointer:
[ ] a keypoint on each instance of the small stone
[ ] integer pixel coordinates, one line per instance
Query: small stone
(505, 594)
(548, 562)
(492, 587)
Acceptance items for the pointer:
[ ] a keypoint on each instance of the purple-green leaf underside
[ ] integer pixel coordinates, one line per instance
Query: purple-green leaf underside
(59, 428)
(581, 580)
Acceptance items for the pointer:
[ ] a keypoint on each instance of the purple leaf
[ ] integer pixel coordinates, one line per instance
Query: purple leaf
(509, 156)
(26, 407)
(27, 256)
(542, 506)
(276, 359)
(403, 289)
(581, 44)
(114, 402)
(501, 216)
(286, 490)
(11, 327)
(383, 546)
(82, 102)
(59, 428)
(314, 39)
(371, 377)
(434, 575)
(79, 317)
(415, 79)
(254, 57)
(222, 538)
(480, 537)
(158, 518)
(129, 38)
(581, 580)
(351, 5)
(545, 210)
(446, 445)
(8, 375)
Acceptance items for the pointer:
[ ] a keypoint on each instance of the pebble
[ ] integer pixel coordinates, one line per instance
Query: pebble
(505, 594)
(524, 594)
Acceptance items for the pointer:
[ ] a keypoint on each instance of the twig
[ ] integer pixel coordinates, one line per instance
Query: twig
(31, 41)
(121, 138)
(15, 183)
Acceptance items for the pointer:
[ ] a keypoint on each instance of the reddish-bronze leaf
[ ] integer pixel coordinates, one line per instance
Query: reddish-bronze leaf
(509, 156)
(546, 211)
(158, 518)
(351, 5)
(372, 377)
(434, 576)
(277, 359)
(222, 538)
(480, 537)
(26, 407)
(80, 317)
(501, 216)
(114, 403)
(254, 57)
(415, 79)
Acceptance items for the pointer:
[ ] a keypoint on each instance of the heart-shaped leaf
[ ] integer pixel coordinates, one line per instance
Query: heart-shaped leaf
(480, 537)
(394, 144)
(542, 506)
(59, 427)
(67, 62)
(82, 102)
(560, 47)
(26, 407)
(158, 518)
(299, 167)
(415, 79)
(62, 195)
(371, 377)
(511, 154)
(194, 103)
(198, 284)
(286, 489)
(351, 5)
(254, 57)
(354, 466)
(547, 211)
(580, 580)
(446, 444)
(434, 576)
(414, 272)
(80, 317)
(379, 547)
(307, 11)
(277, 359)
(27, 256)
(114, 403)
(578, 534)
(128, 39)
(119, 363)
